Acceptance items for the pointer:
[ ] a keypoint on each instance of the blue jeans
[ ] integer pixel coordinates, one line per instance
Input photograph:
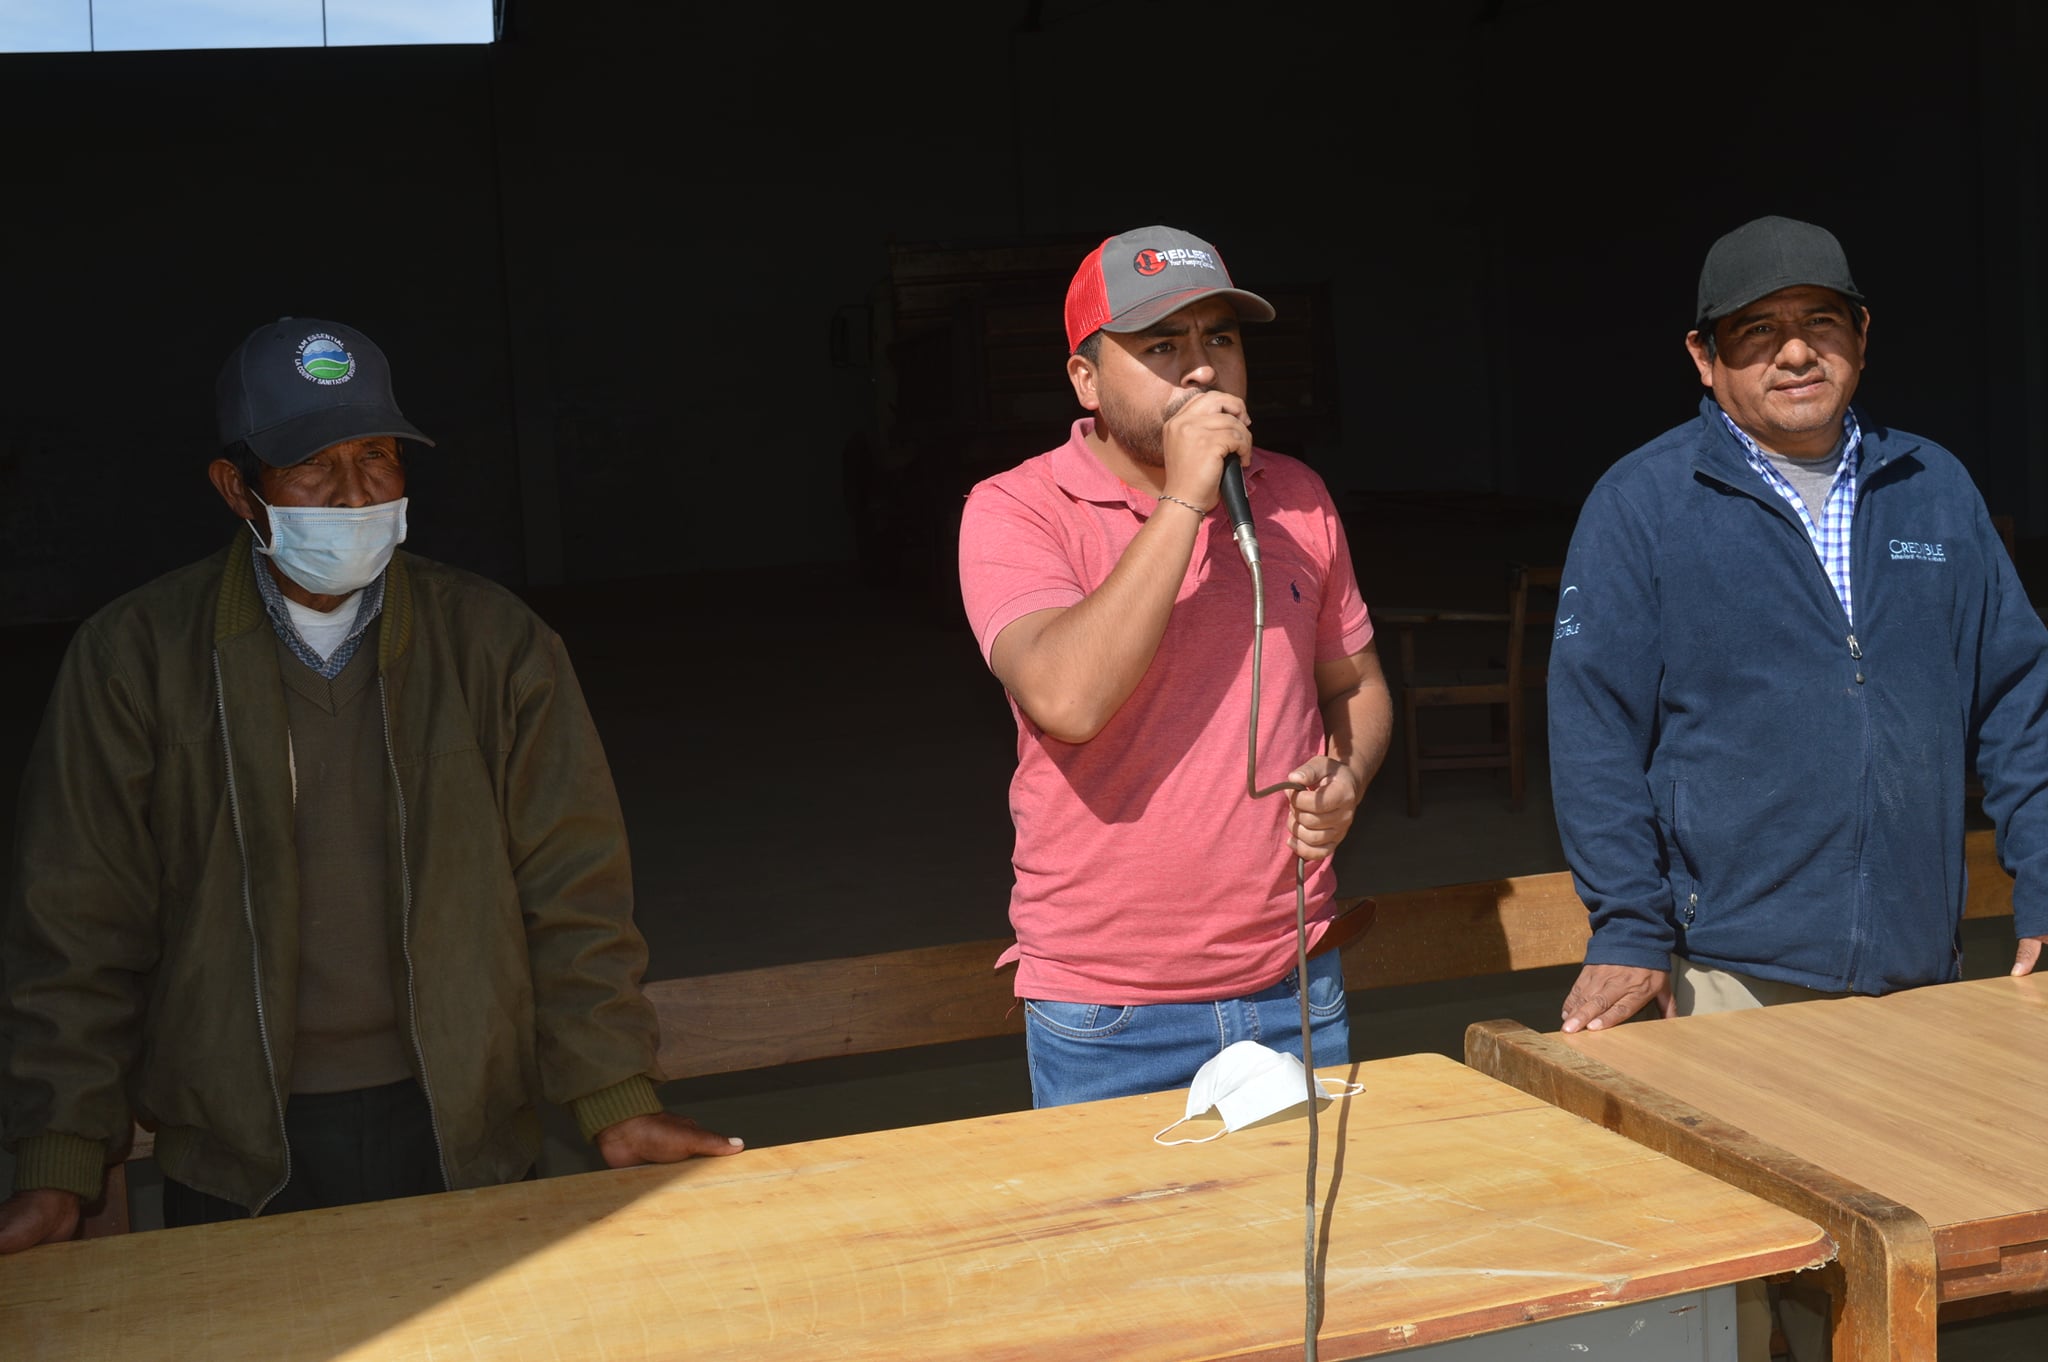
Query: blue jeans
(1083, 1052)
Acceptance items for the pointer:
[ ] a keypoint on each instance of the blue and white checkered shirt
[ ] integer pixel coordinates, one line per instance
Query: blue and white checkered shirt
(1831, 537)
(368, 608)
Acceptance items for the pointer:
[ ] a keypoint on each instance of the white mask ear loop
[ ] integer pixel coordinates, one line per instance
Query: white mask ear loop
(1204, 1139)
(261, 543)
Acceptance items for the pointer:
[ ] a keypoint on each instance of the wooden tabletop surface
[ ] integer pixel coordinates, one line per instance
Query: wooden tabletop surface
(1449, 1204)
(1936, 1098)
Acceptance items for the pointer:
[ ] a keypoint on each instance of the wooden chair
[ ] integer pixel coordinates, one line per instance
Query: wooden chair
(1544, 584)
(1501, 686)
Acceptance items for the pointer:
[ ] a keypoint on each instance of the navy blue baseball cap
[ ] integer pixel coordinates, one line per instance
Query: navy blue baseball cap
(298, 385)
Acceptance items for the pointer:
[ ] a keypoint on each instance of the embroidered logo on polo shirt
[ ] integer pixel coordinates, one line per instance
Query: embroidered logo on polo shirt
(1908, 550)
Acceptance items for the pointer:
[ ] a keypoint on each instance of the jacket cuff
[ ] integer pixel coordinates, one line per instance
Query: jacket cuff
(1631, 940)
(2029, 909)
(59, 1162)
(609, 1106)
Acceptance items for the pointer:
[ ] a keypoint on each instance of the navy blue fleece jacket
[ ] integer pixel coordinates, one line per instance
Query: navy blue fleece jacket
(1745, 777)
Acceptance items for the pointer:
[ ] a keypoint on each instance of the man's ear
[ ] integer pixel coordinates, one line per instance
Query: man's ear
(1696, 346)
(1082, 375)
(227, 480)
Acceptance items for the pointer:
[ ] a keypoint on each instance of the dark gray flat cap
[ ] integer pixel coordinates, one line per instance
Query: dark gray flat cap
(1759, 258)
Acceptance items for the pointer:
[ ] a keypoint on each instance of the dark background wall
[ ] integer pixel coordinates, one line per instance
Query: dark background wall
(635, 260)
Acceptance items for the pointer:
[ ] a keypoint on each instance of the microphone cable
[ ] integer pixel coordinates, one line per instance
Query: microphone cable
(1248, 545)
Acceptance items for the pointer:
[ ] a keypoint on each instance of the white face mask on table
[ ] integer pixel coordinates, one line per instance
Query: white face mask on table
(333, 550)
(1246, 1083)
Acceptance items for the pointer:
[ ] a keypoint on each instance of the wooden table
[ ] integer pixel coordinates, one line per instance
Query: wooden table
(1449, 1205)
(1914, 1127)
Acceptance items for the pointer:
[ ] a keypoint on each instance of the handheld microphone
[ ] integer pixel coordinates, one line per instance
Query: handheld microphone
(1240, 508)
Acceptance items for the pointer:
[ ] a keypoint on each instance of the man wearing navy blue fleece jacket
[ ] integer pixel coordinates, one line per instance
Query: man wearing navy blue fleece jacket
(1785, 633)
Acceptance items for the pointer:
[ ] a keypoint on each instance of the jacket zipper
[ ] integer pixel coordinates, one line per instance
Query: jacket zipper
(1860, 889)
(1690, 913)
(412, 1009)
(1775, 504)
(220, 699)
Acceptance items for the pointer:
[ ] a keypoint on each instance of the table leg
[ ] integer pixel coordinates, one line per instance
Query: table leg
(1882, 1282)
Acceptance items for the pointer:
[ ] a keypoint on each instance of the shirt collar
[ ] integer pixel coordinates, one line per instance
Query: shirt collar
(368, 606)
(1852, 442)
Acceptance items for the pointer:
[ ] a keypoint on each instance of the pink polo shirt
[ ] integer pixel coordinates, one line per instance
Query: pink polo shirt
(1145, 873)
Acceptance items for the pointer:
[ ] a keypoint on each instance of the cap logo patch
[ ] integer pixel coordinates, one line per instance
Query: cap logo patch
(325, 360)
(1149, 261)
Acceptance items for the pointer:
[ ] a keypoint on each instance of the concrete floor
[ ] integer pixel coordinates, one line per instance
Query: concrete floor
(814, 763)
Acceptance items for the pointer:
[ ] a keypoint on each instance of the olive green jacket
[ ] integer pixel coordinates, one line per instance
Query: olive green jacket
(149, 955)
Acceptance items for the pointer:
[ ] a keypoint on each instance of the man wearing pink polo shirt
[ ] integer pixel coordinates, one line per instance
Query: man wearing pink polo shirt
(1154, 902)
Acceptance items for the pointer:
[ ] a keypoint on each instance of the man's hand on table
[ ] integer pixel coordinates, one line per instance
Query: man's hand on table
(660, 1137)
(1608, 995)
(42, 1215)
(2028, 955)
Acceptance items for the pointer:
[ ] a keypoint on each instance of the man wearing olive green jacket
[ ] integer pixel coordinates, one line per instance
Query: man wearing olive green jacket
(319, 871)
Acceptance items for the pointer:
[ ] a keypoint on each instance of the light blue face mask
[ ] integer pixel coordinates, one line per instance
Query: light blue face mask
(333, 550)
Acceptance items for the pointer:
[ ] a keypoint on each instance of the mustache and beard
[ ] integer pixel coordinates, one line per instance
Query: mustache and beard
(1138, 433)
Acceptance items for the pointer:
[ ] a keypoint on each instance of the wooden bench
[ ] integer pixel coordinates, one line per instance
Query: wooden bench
(786, 1014)
(933, 995)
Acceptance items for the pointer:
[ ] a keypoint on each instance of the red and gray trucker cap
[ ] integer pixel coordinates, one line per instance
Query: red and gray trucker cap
(1135, 278)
